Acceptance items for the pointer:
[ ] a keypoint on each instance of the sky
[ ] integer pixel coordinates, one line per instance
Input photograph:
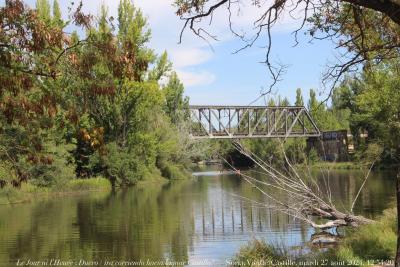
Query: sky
(215, 75)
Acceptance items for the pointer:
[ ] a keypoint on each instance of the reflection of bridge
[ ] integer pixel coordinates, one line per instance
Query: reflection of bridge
(238, 122)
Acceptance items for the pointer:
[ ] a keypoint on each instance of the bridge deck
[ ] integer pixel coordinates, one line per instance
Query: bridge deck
(239, 122)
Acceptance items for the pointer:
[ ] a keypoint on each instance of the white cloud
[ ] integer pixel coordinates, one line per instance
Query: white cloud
(155, 8)
(186, 57)
(195, 78)
(166, 27)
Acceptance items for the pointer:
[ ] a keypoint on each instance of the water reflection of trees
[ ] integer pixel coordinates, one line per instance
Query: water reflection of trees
(132, 225)
(375, 196)
(154, 222)
(226, 212)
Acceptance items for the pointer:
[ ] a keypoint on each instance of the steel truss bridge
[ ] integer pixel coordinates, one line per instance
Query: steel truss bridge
(240, 122)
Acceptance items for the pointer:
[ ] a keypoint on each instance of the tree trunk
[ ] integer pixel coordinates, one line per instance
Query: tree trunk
(391, 8)
(397, 260)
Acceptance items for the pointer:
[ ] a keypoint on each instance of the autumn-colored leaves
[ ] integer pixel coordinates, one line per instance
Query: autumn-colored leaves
(94, 137)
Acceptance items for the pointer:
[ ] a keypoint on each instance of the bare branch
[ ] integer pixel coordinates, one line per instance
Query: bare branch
(324, 18)
(291, 193)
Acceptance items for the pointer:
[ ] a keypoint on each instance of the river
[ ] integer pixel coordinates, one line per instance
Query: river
(201, 220)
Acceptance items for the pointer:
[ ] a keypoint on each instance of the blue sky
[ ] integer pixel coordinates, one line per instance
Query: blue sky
(217, 76)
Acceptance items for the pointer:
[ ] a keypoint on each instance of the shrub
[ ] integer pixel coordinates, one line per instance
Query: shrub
(295, 151)
(313, 156)
(56, 174)
(374, 241)
(174, 172)
(6, 172)
(258, 253)
(12, 195)
(371, 153)
(120, 166)
(97, 183)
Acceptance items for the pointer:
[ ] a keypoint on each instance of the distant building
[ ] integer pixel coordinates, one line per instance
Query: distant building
(332, 146)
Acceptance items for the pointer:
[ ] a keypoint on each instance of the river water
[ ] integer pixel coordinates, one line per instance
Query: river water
(201, 220)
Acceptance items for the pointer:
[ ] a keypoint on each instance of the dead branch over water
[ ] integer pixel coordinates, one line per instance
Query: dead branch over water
(297, 194)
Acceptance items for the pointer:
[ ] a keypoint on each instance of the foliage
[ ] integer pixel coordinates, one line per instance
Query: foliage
(370, 242)
(85, 104)
(295, 150)
(326, 165)
(299, 98)
(258, 253)
(371, 36)
(120, 166)
(12, 195)
(374, 102)
(371, 154)
(269, 150)
(55, 169)
(96, 183)
(365, 32)
(326, 117)
(176, 106)
(28, 191)
(313, 156)
(174, 172)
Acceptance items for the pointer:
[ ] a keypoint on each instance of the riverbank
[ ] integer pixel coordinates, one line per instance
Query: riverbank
(348, 165)
(367, 245)
(325, 165)
(28, 192)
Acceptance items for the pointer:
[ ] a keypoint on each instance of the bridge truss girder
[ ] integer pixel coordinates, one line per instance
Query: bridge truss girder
(239, 122)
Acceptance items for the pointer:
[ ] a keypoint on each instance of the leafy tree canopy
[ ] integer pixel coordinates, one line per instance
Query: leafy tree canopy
(97, 94)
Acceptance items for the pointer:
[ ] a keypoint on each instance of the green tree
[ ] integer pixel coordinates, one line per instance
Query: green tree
(317, 110)
(284, 102)
(29, 98)
(113, 85)
(44, 10)
(374, 100)
(162, 67)
(271, 103)
(133, 34)
(375, 103)
(98, 97)
(57, 17)
(299, 98)
(176, 105)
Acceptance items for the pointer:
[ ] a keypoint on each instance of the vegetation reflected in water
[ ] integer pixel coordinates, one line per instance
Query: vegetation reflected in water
(202, 218)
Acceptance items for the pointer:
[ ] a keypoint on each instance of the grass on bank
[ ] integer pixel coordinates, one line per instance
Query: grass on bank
(326, 165)
(259, 253)
(91, 184)
(363, 246)
(27, 192)
(375, 241)
(348, 165)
